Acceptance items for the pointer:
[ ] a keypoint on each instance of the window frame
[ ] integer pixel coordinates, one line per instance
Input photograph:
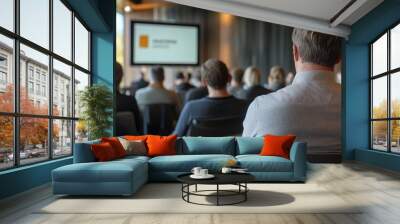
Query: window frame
(16, 115)
(388, 74)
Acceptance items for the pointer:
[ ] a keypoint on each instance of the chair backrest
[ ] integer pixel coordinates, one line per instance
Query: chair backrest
(158, 119)
(209, 127)
(126, 124)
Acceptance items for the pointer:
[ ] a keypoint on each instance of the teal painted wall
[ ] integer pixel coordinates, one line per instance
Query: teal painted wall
(24, 178)
(99, 15)
(356, 84)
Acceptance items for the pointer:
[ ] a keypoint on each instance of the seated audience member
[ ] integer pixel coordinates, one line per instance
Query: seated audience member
(188, 78)
(156, 93)
(127, 103)
(289, 78)
(310, 108)
(219, 102)
(253, 88)
(181, 84)
(139, 84)
(236, 84)
(276, 78)
(198, 92)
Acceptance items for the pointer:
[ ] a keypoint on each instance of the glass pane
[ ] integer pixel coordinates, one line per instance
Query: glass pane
(81, 81)
(34, 92)
(6, 142)
(395, 136)
(81, 131)
(62, 29)
(62, 89)
(379, 97)
(35, 21)
(81, 45)
(395, 95)
(379, 55)
(6, 74)
(62, 138)
(379, 135)
(7, 14)
(33, 139)
(395, 47)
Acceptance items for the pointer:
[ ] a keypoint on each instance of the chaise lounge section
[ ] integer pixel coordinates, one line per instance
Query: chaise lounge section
(125, 176)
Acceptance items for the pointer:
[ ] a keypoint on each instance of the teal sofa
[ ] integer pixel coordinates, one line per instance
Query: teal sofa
(125, 176)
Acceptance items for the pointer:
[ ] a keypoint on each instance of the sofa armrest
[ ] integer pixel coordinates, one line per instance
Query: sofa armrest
(298, 155)
(83, 152)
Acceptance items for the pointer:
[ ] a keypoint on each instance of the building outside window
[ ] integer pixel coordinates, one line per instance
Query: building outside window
(30, 72)
(3, 72)
(385, 91)
(3, 78)
(30, 87)
(57, 127)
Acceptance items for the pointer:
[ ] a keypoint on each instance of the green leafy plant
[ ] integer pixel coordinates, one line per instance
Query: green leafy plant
(96, 104)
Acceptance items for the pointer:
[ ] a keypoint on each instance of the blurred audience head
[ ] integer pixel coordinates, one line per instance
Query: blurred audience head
(157, 75)
(237, 76)
(215, 74)
(252, 76)
(289, 78)
(179, 76)
(119, 73)
(141, 74)
(188, 76)
(315, 48)
(276, 78)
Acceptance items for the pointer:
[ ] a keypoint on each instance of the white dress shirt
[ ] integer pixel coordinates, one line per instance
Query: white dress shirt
(310, 108)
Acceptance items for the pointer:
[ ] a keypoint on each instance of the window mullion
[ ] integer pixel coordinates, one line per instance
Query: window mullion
(389, 106)
(16, 84)
(73, 82)
(50, 81)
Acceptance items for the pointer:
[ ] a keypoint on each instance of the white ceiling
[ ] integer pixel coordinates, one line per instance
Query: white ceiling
(321, 9)
(314, 15)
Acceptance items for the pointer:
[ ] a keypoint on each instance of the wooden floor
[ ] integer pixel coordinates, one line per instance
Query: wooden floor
(378, 189)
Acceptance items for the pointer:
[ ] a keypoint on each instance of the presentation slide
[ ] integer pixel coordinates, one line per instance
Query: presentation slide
(164, 44)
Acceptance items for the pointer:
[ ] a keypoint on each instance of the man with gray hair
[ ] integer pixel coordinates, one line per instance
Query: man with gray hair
(309, 108)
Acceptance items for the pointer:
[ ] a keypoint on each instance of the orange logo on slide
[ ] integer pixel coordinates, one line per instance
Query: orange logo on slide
(143, 41)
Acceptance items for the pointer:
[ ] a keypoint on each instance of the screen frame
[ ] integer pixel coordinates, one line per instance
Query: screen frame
(197, 26)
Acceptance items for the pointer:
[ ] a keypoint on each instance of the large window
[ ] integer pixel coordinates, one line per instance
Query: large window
(385, 91)
(44, 64)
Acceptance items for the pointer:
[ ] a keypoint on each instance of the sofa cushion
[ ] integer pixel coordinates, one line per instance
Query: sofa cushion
(275, 145)
(207, 145)
(135, 147)
(83, 152)
(257, 163)
(103, 152)
(116, 145)
(112, 171)
(161, 145)
(249, 145)
(185, 163)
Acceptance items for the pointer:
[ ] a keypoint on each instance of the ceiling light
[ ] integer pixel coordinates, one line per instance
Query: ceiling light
(127, 9)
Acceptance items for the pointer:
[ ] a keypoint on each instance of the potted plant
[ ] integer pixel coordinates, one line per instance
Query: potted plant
(95, 103)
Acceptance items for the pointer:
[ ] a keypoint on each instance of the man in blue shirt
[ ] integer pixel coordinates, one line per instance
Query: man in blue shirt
(218, 104)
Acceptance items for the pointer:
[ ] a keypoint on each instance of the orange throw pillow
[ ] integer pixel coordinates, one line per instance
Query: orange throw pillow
(135, 137)
(277, 145)
(116, 145)
(161, 145)
(103, 152)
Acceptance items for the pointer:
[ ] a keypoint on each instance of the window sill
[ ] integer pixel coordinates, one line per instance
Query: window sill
(26, 167)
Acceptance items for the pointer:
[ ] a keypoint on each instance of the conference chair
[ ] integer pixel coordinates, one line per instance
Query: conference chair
(209, 127)
(158, 119)
(126, 124)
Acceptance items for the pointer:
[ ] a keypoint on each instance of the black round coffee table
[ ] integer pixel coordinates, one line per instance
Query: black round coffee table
(238, 179)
